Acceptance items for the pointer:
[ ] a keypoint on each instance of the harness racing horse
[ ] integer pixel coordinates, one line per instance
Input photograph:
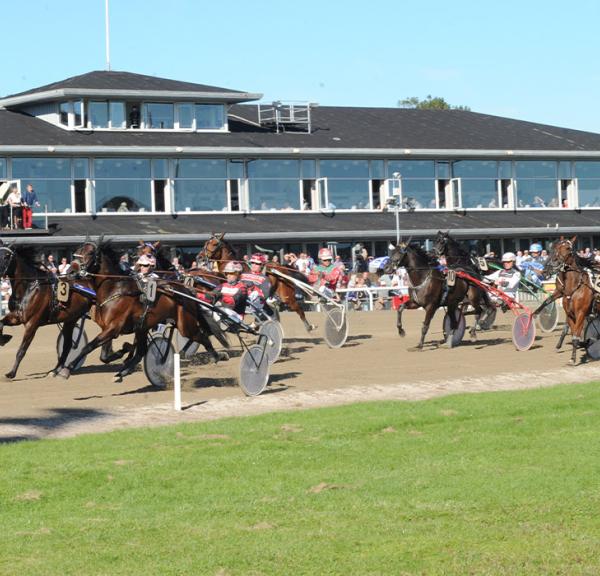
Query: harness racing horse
(427, 287)
(219, 251)
(574, 285)
(457, 258)
(123, 308)
(34, 303)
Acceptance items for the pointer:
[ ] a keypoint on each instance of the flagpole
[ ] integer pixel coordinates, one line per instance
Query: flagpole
(107, 28)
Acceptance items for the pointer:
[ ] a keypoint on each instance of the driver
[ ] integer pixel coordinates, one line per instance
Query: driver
(533, 265)
(507, 279)
(325, 276)
(232, 294)
(145, 266)
(258, 284)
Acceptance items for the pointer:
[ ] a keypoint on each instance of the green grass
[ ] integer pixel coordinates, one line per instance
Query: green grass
(503, 483)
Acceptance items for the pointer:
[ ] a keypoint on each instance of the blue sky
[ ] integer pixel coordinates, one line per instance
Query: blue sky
(529, 59)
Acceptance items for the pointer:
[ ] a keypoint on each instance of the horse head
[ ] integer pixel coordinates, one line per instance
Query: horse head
(562, 254)
(7, 255)
(86, 256)
(440, 243)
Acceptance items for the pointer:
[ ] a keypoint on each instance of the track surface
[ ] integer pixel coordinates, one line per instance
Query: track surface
(374, 364)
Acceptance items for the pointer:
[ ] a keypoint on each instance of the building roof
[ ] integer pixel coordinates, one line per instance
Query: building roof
(336, 130)
(284, 227)
(112, 83)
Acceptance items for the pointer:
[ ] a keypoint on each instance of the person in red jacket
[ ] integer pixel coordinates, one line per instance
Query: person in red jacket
(259, 286)
(326, 277)
(232, 294)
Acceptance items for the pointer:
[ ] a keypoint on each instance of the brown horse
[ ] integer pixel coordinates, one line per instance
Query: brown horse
(427, 287)
(34, 303)
(574, 285)
(218, 251)
(121, 310)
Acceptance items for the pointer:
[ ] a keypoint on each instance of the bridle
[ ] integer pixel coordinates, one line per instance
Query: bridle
(78, 256)
(10, 259)
(560, 264)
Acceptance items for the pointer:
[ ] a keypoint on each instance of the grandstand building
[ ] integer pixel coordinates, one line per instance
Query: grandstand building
(134, 156)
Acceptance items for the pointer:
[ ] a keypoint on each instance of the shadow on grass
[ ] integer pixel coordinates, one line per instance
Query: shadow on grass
(39, 426)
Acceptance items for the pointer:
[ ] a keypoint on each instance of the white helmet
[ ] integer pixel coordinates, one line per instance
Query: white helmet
(146, 260)
(509, 257)
(325, 254)
(233, 267)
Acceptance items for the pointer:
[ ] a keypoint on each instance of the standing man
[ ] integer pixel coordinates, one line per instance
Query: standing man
(14, 201)
(28, 200)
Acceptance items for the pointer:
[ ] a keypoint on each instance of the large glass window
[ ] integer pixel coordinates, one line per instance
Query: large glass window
(81, 169)
(210, 116)
(117, 114)
(479, 187)
(2, 168)
(78, 111)
(200, 184)
(63, 111)
(588, 183)
(185, 115)
(51, 179)
(418, 181)
(274, 184)
(98, 112)
(158, 115)
(347, 183)
(122, 184)
(537, 185)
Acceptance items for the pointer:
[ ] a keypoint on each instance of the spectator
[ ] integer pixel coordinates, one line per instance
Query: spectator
(51, 264)
(5, 292)
(519, 258)
(63, 267)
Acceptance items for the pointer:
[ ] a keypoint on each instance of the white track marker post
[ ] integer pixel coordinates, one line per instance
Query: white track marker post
(176, 378)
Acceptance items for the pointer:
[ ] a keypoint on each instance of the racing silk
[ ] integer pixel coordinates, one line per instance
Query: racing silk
(329, 276)
(232, 296)
(507, 280)
(258, 283)
(532, 269)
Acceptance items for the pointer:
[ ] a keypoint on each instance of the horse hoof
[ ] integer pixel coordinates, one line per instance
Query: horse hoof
(5, 339)
(64, 373)
(311, 328)
(401, 332)
(221, 357)
(117, 378)
(10, 375)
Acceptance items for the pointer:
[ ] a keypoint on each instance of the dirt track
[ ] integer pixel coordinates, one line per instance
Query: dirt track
(375, 364)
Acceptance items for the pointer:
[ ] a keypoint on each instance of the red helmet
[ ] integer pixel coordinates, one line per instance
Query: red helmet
(325, 254)
(233, 268)
(258, 258)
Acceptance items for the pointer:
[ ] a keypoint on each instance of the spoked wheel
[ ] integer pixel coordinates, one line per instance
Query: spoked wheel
(488, 321)
(254, 370)
(523, 332)
(336, 326)
(159, 362)
(547, 319)
(274, 334)
(459, 333)
(591, 337)
(79, 342)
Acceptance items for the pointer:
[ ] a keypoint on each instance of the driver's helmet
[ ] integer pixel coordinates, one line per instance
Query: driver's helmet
(509, 257)
(233, 268)
(258, 258)
(535, 247)
(325, 254)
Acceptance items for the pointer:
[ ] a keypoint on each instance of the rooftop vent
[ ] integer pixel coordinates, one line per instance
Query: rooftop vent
(286, 116)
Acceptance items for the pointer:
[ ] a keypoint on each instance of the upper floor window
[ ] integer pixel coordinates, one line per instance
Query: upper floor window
(70, 113)
(159, 115)
(2, 168)
(210, 116)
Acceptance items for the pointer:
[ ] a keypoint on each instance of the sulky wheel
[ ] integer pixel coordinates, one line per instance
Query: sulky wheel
(547, 319)
(591, 337)
(523, 332)
(159, 363)
(254, 370)
(336, 326)
(273, 332)
(459, 333)
(79, 341)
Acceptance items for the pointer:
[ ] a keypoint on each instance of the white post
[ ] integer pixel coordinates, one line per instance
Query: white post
(177, 383)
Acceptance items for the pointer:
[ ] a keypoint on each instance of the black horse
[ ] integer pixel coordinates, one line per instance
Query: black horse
(459, 259)
(427, 287)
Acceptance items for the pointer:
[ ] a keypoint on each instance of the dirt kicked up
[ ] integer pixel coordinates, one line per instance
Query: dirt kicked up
(375, 364)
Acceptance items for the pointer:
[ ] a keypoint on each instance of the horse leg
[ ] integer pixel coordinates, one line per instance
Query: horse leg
(429, 312)
(288, 296)
(577, 333)
(140, 347)
(9, 320)
(562, 337)
(106, 335)
(401, 331)
(67, 334)
(108, 355)
(30, 330)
